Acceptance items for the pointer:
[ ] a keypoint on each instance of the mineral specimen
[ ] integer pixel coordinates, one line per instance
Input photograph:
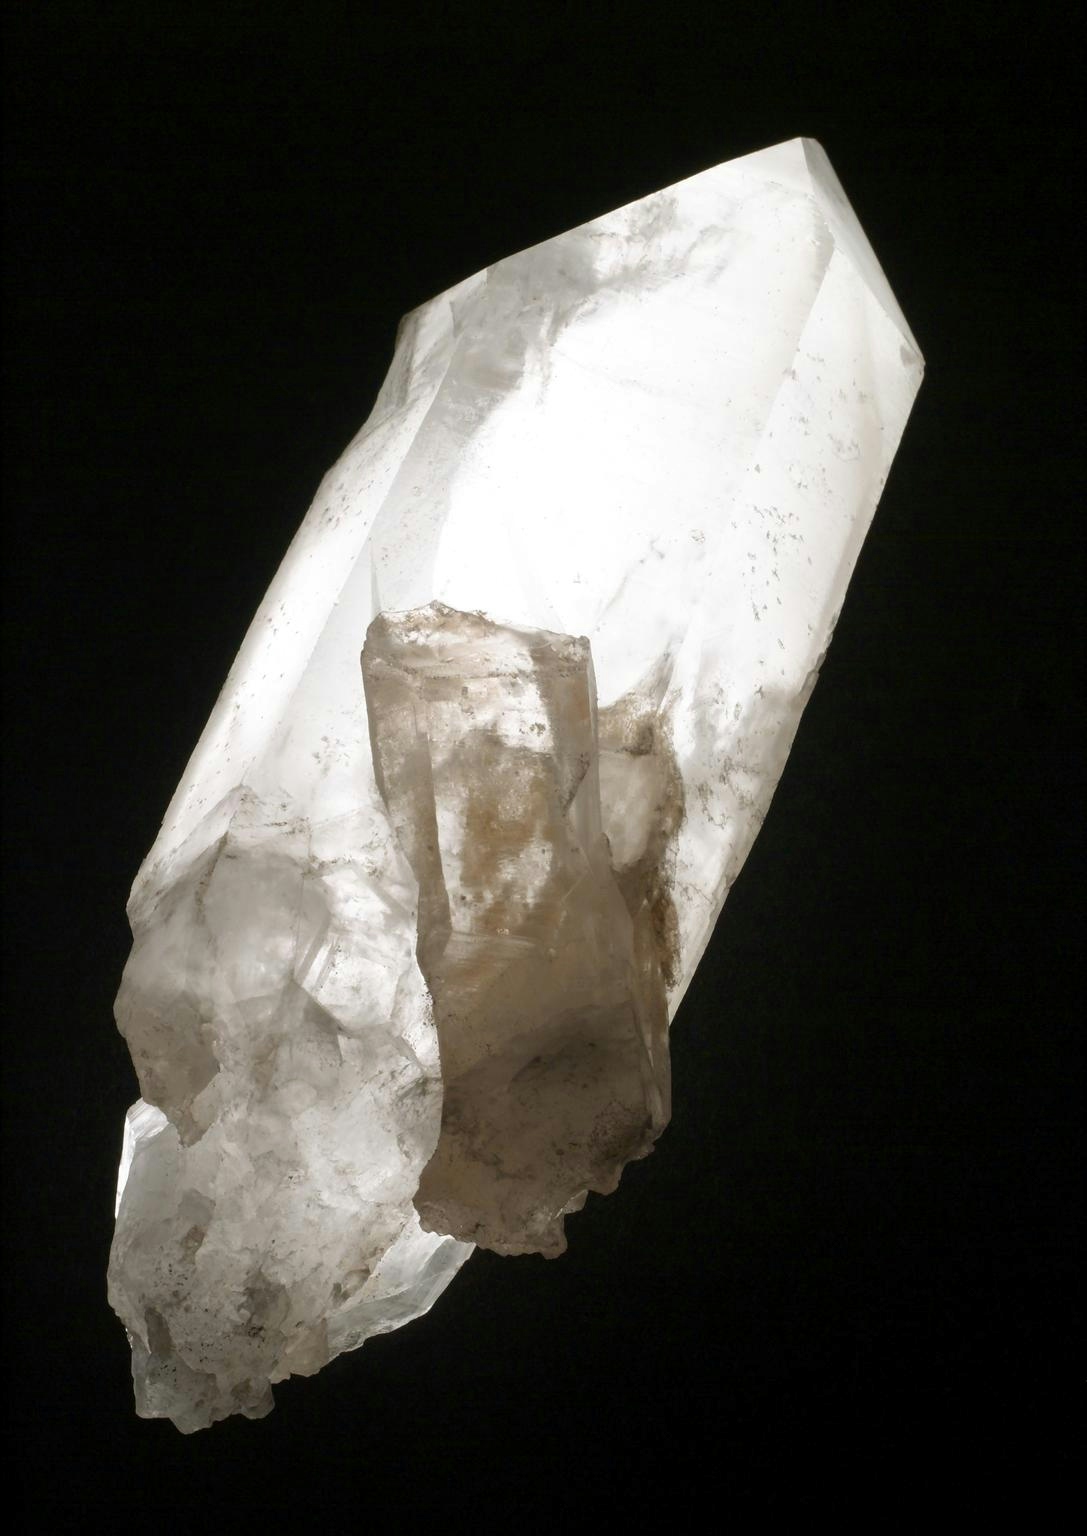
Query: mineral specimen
(495, 746)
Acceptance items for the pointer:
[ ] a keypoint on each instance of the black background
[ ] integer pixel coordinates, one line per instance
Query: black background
(846, 1281)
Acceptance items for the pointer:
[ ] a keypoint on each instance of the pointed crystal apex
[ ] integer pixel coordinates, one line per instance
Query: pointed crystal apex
(850, 237)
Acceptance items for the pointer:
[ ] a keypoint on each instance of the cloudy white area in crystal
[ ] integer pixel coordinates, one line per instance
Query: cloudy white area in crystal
(660, 437)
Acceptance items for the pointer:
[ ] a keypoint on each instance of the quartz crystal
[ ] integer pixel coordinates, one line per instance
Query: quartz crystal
(552, 1036)
(495, 746)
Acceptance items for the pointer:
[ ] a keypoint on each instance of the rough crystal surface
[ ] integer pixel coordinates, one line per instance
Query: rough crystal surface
(648, 451)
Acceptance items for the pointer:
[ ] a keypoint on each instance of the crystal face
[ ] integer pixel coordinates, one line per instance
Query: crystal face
(494, 748)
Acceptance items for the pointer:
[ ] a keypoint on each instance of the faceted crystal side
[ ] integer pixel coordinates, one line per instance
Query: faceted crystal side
(552, 1036)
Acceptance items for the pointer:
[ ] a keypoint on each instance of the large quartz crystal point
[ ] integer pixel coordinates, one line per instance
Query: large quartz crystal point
(553, 1039)
(405, 947)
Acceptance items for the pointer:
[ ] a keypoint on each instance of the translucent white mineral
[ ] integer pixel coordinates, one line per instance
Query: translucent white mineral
(495, 746)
